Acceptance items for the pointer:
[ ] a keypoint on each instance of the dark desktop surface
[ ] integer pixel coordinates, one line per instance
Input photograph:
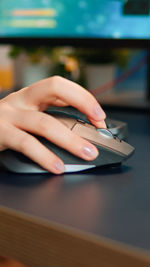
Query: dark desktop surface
(113, 203)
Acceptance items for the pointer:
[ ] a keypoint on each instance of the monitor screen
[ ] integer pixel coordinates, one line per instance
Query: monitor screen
(100, 19)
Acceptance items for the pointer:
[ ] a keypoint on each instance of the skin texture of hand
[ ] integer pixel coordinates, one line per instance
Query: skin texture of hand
(21, 114)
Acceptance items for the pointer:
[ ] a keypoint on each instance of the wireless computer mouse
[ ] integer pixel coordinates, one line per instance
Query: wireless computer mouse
(118, 128)
(112, 150)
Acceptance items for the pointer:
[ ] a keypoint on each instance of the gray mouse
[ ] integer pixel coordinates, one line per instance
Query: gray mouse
(112, 150)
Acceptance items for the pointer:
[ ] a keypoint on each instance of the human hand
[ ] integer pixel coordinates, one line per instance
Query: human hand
(21, 114)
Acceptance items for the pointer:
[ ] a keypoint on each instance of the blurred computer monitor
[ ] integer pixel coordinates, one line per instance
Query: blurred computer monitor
(97, 22)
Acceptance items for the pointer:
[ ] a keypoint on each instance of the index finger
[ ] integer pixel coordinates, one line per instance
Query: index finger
(49, 90)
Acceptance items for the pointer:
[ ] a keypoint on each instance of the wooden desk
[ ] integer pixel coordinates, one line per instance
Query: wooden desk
(97, 218)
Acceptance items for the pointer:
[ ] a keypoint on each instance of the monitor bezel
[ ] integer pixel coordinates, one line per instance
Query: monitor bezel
(77, 42)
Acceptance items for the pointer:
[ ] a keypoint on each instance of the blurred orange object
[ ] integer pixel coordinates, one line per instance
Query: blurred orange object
(6, 69)
(6, 78)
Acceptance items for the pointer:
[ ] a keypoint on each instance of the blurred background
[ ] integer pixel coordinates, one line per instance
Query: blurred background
(102, 45)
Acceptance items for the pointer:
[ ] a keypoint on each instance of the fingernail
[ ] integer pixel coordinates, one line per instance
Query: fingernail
(59, 166)
(98, 112)
(102, 124)
(90, 152)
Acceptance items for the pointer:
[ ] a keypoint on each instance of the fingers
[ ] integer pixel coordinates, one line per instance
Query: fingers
(98, 124)
(23, 114)
(53, 130)
(56, 88)
(23, 142)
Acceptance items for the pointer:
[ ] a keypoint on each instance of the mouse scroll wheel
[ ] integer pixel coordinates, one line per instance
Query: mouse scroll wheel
(106, 133)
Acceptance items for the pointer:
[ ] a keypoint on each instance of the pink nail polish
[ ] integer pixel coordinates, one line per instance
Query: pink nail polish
(90, 152)
(59, 166)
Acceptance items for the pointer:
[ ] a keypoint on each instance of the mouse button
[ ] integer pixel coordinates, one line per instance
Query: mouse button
(87, 132)
(90, 126)
(110, 143)
(106, 133)
(68, 122)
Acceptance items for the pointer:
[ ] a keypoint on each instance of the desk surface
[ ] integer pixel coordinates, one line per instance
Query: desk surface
(113, 203)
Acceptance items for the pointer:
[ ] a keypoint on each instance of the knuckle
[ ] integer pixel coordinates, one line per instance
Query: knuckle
(55, 80)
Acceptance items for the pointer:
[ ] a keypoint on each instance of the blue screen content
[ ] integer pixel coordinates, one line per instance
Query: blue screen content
(118, 19)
